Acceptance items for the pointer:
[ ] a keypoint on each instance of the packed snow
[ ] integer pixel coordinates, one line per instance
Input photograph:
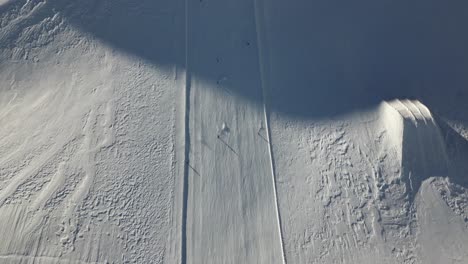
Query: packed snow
(246, 131)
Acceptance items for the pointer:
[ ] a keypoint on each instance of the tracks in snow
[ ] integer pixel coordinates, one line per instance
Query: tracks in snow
(253, 201)
(183, 255)
(263, 79)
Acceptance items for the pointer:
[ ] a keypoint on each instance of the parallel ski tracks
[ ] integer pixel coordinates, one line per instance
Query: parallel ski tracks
(187, 97)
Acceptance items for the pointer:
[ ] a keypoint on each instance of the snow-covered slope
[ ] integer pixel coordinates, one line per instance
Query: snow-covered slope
(357, 181)
(373, 186)
(232, 210)
(87, 145)
(230, 132)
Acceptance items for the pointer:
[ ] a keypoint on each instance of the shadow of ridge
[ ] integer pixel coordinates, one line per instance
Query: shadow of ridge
(457, 152)
(326, 59)
(331, 58)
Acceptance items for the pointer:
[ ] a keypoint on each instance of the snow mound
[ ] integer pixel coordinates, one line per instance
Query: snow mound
(417, 138)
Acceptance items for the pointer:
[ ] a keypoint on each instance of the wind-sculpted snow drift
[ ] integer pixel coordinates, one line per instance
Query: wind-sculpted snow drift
(426, 182)
(159, 132)
(373, 186)
(418, 140)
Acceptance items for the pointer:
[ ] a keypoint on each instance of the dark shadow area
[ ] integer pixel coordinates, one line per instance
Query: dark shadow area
(146, 28)
(325, 58)
(457, 152)
(332, 57)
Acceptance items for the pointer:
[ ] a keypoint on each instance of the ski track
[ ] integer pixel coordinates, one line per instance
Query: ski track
(259, 29)
(109, 156)
(224, 198)
(187, 142)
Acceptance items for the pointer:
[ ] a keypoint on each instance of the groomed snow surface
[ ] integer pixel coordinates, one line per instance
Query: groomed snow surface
(244, 131)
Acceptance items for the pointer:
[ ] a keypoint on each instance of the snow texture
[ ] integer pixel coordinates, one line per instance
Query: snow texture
(246, 131)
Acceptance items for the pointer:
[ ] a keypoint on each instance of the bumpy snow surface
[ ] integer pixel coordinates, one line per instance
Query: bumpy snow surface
(233, 131)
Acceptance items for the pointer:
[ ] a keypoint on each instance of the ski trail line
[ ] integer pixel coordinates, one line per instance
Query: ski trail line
(185, 187)
(258, 20)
